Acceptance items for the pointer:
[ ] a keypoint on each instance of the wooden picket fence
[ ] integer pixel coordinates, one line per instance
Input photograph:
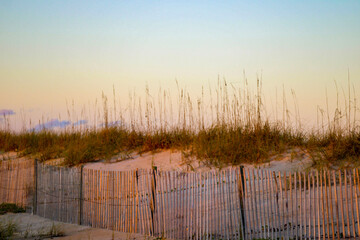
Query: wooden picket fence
(17, 181)
(171, 204)
(315, 205)
(58, 193)
(235, 203)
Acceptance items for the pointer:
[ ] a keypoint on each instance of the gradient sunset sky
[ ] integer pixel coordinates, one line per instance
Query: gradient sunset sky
(53, 52)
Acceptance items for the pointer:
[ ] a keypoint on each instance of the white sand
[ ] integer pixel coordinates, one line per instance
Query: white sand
(174, 160)
(169, 160)
(290, 161)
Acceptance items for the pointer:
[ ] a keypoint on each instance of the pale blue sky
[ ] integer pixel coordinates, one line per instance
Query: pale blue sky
(53, 51)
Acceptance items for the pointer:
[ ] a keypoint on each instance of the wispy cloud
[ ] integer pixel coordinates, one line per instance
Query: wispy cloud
(54, 123)
(4, 112)
(80, 122)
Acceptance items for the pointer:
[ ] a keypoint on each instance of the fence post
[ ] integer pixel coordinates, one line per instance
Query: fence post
(136, 199)
(153, 205)
(242, 195)
(81, 195)
(35, 186)
(113, 201)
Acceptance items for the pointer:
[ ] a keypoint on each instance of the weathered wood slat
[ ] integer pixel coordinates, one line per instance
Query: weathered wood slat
(207, 202)
(258, 202)
(254, 224)
(309, 213)
(356, 187)
(347, 204)
(314, 204)
(300, 212)
(286, 206)
(336, 206)
(326, 205)
(331, 206)
(256, 217)
(296, 207)
(272, 214)
(304, 207)
(318, 206)
(352, 205)
(282, 211)
(276, 204)
(248, 204)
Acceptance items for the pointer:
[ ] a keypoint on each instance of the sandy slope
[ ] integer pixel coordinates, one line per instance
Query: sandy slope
(292, 160)
(173, 160)
(168, 160)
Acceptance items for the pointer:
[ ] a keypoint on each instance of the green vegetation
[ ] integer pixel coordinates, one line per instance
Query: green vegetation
(230, 130)
(10, 207)
(11, 230)
(7, 230)
(56, 230)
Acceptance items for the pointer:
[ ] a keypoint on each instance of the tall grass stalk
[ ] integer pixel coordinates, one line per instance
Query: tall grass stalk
(230, 127)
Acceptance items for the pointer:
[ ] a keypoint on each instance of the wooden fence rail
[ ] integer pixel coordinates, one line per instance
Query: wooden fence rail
(235, 203)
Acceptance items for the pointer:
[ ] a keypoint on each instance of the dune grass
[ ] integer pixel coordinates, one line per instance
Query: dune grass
(7, 230)
(227, 129)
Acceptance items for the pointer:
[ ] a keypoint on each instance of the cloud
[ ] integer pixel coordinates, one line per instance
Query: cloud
(4, 112)
(54, 123)
(80, 122)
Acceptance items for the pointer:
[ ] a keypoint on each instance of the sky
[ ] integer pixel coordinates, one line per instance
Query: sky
(56, 54)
